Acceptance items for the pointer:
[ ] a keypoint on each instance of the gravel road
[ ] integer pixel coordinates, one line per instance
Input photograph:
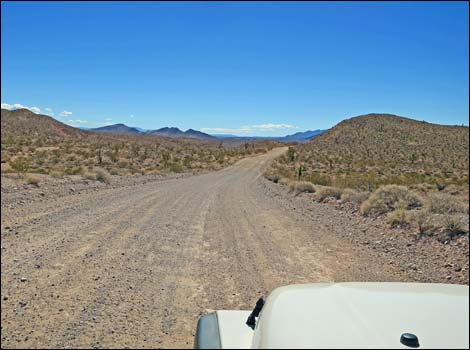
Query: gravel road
(135, 266)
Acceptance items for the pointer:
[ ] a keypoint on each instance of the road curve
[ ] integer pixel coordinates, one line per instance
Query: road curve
(136, 266)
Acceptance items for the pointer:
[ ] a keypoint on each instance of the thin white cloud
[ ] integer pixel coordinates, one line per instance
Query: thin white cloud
(15, 106)
(271, 126)
(132, 116)
(65, 113)
(108, 119)
(107, 122)
(250, 129)
(225, 130)
(49, 111)
(77, 121)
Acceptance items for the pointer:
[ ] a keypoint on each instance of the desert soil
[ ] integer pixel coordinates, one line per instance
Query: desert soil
(135, 264)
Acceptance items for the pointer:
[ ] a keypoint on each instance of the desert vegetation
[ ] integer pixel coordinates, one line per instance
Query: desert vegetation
(36, 144)
(412, 173)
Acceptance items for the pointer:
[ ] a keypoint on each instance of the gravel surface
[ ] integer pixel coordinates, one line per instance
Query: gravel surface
(427, 259)
(135, 263)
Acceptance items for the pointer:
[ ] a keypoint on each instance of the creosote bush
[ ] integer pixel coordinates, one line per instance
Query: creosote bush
(301, 187)
(89, 176)
(442, 203)
(398, 217)
(326, 191)
(102, 176)
(349, 195)
(422, 220)
(32, 179)
(388, 198)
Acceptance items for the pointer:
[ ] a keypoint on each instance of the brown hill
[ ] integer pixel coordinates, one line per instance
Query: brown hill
(375, 149)
(117, 129)
(23, 122)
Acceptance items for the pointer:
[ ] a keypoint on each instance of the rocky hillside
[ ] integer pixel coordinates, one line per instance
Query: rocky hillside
(26, 123)
(375, 149)
(409, 174)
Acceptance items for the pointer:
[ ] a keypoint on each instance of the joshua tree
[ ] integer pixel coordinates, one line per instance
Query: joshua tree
(291, 154)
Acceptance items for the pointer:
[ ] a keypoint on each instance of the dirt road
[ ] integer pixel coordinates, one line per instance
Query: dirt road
(136, 266)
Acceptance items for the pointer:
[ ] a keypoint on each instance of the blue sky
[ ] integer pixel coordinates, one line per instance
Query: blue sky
(243, 68)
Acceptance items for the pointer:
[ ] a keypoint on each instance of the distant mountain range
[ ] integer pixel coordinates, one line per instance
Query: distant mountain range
(175, 132)
(23, 121)
(191, 133)
(118, 129)
(167, 131)
(301, 137)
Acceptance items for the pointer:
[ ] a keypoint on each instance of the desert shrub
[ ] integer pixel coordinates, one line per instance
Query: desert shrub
(442, 203)
(422, 220)
(89, 176)
(388, 198)
(123, 164)
(102, 176)
(423, 187)
(40, 170)
(318, 179)
(398, 217)
(452, 225)
(301, 187)
(291, 185)
(73, 170)
(20, 165)
(453, 189)
(349, 195)
(114, 172)
(326, 191)
(175, 167)
(273, 178)
(32, 179)
(56, 174)
(6, 168)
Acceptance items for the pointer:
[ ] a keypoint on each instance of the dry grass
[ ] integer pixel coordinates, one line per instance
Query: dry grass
(32, 179)
(443, 203)
(388, 198)
(6, 168)
(422, 219)
(349, 195)
(301, 187)
(398, 218)
(89, 176)
(326, 192)
(56, 174)
(102, 176)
